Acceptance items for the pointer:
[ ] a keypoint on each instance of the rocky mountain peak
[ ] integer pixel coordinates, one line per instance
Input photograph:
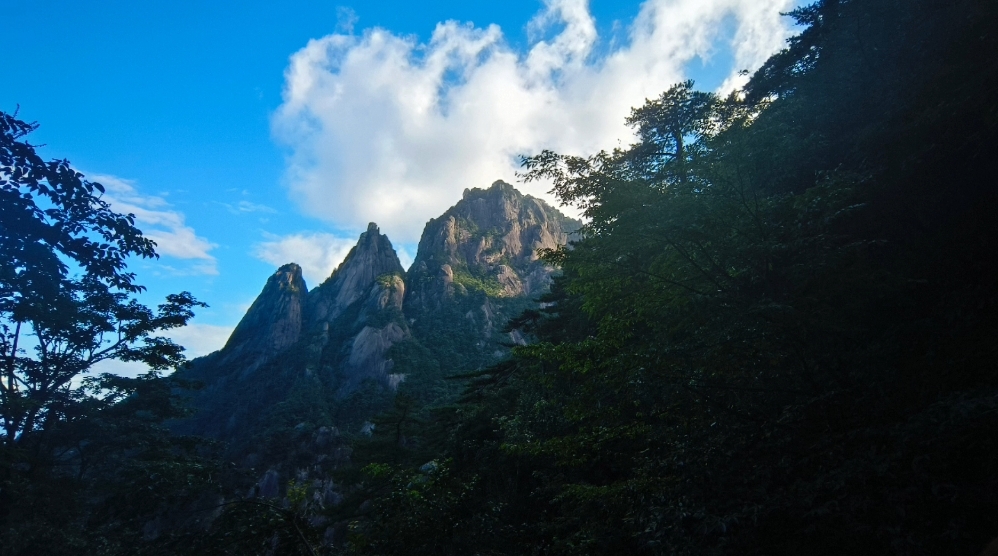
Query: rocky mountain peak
(371, 258)
(274, 320)
(498, 187)
(371, 328)
(488, 241)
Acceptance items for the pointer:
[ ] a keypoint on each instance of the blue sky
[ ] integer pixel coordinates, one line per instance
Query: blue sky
(246, 134)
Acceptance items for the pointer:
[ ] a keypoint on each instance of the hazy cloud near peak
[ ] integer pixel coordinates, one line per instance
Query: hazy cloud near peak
(382, 128)
(318, 254)
(173, 237)
(197, 340)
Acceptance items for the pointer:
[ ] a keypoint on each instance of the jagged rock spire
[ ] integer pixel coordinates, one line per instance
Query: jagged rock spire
(475, 265)
(274, 321)
(373, 256)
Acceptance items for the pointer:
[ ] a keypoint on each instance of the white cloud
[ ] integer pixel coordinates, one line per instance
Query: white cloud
(173, 237)
(346, 18)
(197, 339)
(318, 254)
(382, 128)
(243, 207)
(201, 339)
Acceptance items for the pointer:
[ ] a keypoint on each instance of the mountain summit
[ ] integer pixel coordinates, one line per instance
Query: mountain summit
(273, 322)
(336, 355)
(488, 241)
(373, 256)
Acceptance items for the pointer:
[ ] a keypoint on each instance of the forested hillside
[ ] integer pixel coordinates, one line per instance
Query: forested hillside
(775, 333)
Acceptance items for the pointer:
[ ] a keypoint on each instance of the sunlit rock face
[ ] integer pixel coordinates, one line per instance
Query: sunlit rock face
(371, 258)
(488, 241)
(478, 266)
(359, 309)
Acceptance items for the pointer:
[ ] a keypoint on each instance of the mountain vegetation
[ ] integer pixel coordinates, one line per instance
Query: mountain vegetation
(72, 447)
(773, 333)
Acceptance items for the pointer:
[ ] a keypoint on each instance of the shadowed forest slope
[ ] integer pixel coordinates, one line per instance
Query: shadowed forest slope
(774, 334)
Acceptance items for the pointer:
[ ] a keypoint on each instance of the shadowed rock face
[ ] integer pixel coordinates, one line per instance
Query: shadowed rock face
(335, 338)
(372, 257)
(363, 298)
(360, 304)
(274, 321)
(368, 355)
(481, 250)
(379, 325)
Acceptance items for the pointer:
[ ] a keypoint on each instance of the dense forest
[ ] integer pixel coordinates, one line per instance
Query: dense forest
(775, 333)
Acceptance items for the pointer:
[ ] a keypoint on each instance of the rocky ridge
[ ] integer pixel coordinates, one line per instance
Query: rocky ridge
(372, 257)
(273, 322)
(341, 350)
(487, 241)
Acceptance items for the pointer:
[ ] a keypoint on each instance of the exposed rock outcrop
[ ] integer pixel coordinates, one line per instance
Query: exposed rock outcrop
(273, 322)
(479, 263)
(371, 328)
(371, 258)
(303, 365)
(368, 352)
(488, 242)
(361, 303)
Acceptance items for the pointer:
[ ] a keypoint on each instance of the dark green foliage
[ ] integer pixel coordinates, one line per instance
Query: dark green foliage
(85, 465)
(108, 477)
(776, 333)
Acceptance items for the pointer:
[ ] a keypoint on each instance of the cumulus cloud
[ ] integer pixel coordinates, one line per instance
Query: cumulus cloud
(318, 254)
(197, 339)
(173, 237)
(201, 339)
(383, 128)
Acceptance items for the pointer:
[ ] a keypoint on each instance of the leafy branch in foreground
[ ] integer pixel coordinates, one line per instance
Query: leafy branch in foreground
(85, 461)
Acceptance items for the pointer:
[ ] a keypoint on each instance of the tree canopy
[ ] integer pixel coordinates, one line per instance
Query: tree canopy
(775, 333)
(66, 305)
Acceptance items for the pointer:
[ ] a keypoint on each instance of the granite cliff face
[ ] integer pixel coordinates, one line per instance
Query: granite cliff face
(477, 266)
(372, 257)
(363, 297)
(488, 241)
(333, 339)
(272, 324)
(340, 351)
